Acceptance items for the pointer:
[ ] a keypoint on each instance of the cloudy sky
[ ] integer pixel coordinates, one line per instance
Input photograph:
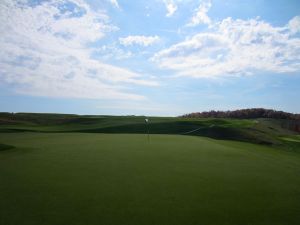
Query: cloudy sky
(155, 57)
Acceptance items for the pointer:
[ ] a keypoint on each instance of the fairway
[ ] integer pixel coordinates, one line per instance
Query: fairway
(122, 179)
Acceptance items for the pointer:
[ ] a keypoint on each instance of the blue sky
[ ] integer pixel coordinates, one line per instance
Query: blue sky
(156, 57)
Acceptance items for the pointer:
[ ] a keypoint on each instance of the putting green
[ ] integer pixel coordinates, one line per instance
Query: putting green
(119, 179)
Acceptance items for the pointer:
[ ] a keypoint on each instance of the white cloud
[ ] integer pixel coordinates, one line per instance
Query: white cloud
(45, 50)
(171, 7)
(200, 16)
(112, 51)
(139, 40)
(294, 24)
(234, 47)
(115, 3)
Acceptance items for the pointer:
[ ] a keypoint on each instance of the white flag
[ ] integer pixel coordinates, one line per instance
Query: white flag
(146, 120)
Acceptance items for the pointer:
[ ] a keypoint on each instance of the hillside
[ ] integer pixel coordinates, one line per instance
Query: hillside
(260, 130)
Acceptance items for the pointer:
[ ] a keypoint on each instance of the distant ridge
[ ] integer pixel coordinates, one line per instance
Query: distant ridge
(251, 113)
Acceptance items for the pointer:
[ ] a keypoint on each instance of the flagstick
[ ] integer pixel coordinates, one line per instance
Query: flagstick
(148, 133)
(147, 126)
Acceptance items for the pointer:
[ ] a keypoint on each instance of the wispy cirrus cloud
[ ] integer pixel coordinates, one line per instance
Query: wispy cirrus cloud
(235, 47)
(45, 50)
(139, 40)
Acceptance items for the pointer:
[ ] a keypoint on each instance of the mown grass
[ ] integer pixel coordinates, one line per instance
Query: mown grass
(113, 179)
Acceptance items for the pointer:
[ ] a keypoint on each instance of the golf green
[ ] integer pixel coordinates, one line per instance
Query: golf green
(122, 179)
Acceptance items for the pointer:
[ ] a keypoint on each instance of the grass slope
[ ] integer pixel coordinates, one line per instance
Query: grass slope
(263, 131)
(113, 179)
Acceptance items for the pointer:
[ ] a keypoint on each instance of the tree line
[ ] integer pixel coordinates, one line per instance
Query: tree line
(244, 114)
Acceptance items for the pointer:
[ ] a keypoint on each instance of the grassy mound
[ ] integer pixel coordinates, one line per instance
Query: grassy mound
(261, 131)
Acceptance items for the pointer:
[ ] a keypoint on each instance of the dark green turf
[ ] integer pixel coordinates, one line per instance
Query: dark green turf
(5, 147)
(121, 179)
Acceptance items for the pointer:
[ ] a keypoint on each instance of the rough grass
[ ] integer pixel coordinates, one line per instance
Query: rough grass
(113, 179)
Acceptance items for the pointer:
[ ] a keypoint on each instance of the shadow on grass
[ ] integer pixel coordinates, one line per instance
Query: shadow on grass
(180, 128)
(217, 129)
(4, 147)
